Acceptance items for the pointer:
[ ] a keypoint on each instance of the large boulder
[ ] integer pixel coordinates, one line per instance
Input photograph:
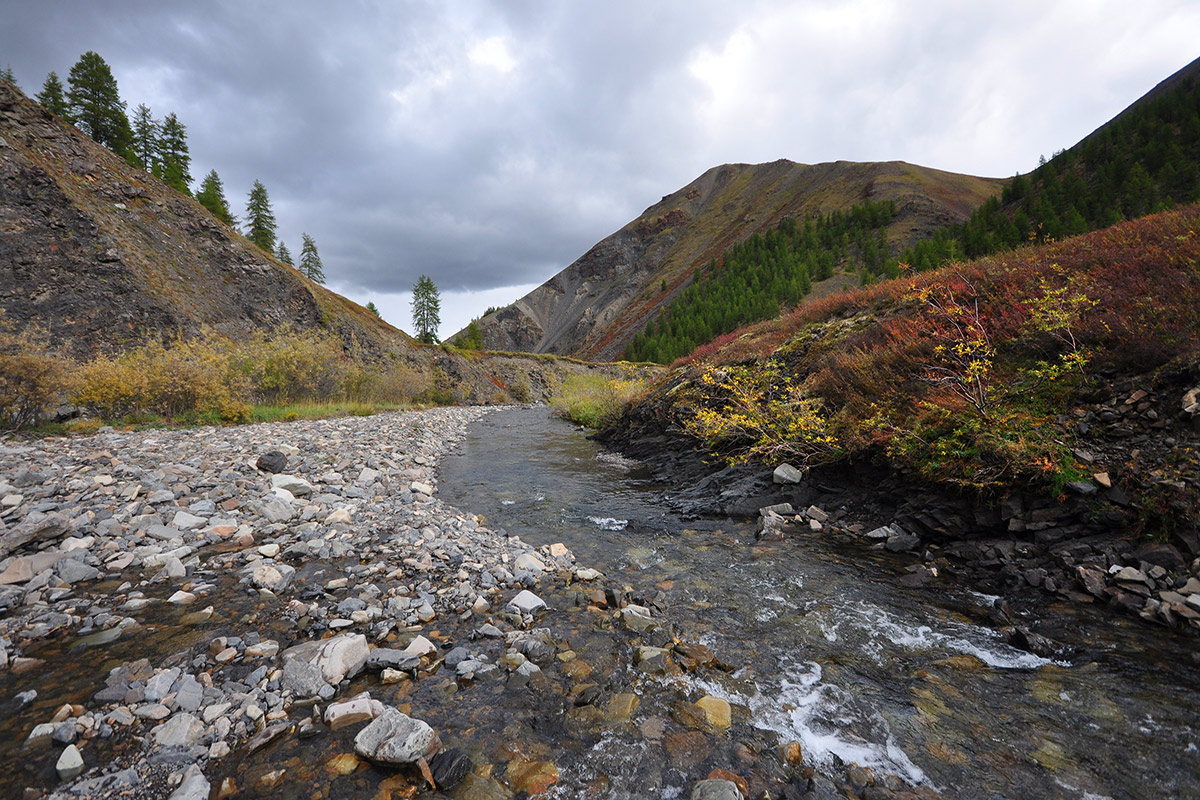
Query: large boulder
(396, 738)
(340, 657)
(36, 527)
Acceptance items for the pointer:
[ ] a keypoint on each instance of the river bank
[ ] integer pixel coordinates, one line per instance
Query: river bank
(1089, 545)
(223, 611)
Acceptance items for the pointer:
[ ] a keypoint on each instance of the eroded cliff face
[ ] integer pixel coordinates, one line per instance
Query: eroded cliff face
(101, 255)
(594, 307)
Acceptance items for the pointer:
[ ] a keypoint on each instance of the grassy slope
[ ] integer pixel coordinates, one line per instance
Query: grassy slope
(866, 355)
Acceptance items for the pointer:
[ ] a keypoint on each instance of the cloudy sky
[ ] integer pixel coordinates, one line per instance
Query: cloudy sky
(489, 144)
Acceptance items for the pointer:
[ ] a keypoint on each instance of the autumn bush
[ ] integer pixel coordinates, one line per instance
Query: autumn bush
(179, 379)
(962, 375)
(211, 378)
(287, 365)
(32, 378)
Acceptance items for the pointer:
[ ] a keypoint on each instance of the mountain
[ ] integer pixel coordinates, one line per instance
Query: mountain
(103, 255)
(594, 307)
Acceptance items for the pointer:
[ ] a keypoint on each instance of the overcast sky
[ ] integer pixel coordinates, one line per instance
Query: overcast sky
(490, 144)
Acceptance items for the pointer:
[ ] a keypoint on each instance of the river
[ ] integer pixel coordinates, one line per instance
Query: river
(831, 651)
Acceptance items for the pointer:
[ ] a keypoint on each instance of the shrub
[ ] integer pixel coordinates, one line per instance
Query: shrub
(176, 380)
(31, 378)
(594, 400)
(757, 412)
(382, 383)
(287, 366)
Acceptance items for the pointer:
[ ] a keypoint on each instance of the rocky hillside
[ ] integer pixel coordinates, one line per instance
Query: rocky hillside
(103, 255)
(593, 308)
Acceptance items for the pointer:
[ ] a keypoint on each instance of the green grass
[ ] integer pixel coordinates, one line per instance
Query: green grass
(594, 401)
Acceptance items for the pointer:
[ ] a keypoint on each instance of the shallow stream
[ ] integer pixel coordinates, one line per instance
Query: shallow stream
(833, 652)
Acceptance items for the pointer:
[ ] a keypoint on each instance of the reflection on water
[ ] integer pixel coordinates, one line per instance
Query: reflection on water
(834, 653)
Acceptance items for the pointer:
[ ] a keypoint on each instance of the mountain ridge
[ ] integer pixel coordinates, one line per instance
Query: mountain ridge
(594, 307)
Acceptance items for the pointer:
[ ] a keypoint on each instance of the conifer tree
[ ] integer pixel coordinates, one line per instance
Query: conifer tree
(145, 138)
(310, 260)
(373, 309)
(426, 306)
(174, 162)
(260, 221)
(96, 105)
(6, 74)
(284, 255)
(212, 197)
(53, 97)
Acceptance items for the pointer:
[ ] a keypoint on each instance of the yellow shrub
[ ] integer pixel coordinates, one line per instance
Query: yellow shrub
(287, 366)
(31, 379)
(757, 412)
(177, 379)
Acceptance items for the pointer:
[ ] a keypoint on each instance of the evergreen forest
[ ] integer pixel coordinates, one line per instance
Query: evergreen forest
(757, 277)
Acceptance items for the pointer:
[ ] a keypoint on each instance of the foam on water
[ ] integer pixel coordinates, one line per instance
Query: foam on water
(820, 717)
(981, 643)
(609, 523)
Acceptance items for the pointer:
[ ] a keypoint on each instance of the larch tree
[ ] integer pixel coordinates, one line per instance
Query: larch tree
(174, 161)
(145, 137)
(212, 197)
(6, 74)
(426, 308)
(53, 96)
(373, 309)
(95, 103)
(310, 260)
(283, 254)
(260, 221)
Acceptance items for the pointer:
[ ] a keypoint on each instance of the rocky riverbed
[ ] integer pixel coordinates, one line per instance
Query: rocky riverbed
(289, 610)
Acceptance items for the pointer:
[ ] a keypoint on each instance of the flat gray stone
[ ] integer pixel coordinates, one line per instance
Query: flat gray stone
(396, 738)
(194, 787)
(302, 679)
(787, 474)
(297, 486)
(526, 602)
(181, 730)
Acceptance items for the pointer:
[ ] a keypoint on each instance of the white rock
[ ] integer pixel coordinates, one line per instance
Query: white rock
(526, 602)
(70, 763)
(396, 738)
(420, 646)
(529, 562)
(351, 712)
(297, 486)
(421, 488)
(194, 787)
(340, 657)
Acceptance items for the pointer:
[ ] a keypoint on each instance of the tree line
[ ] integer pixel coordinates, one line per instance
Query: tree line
(1146, 160)
(767, 272)
(91, 101)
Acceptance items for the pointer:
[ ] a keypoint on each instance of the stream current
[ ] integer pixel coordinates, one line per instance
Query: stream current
(831, 651)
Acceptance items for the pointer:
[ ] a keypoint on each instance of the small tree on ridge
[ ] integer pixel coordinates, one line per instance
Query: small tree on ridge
(260, 220)
(426, 305)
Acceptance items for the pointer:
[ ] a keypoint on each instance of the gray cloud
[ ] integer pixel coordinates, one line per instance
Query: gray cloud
(491, 144)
